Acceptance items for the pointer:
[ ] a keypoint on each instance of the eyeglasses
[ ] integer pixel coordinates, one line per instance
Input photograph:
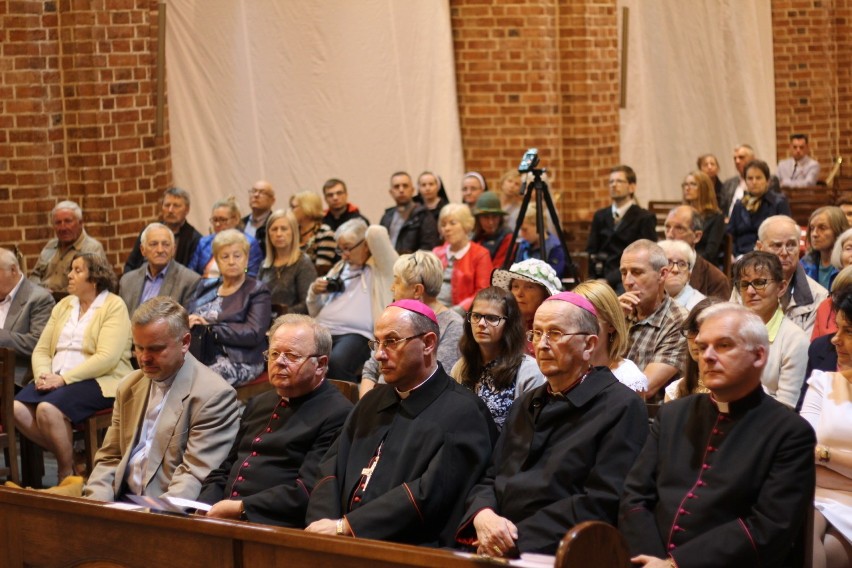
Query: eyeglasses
(219, 220)
(789, 246)
(341, 250)
(618, 182)
(254, 191)
(757, 284)
(290, 358)
(490, 319)
(392, 344)
(686, 184)
(552, 335)
(680, 264)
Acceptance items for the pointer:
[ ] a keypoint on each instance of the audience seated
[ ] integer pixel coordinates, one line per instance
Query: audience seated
(54, 262)
(691, 381)
(160, 275)
(418, 276)
(473, 185)
(410, 450)
(566, 446)
(681, 262)
(261, 200)
(530, 282)
(684, 223)
(339, 209)
(761, 285)
(724, 479)
(824, 323)
(175, 208)
(655, 320)
(173, 418)
(273, 463)
(780, 236)
(825, 225)
(81, 356)
(529, 244)
(757, 205)
(350, 299)
(734, 187)
(612, 335)
(510, 197)
(431, 194)
(235, 309)
(709, 165)
(616, 226)
(226, 216)
(24, 311)
(316, 239)
(467, 265)
(410, 225)
(799, 170)
(490, 231)
(698, 194)
(828, 409)
(493, 364)
(286, 270)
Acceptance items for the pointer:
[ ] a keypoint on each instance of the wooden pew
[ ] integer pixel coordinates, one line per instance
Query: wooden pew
(39, 529)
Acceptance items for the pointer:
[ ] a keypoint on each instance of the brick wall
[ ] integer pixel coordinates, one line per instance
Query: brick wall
(77, 109)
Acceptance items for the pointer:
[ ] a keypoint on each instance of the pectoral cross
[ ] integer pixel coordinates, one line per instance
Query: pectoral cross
(367, 472)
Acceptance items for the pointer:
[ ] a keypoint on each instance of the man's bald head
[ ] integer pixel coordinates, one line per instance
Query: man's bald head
(684, 223)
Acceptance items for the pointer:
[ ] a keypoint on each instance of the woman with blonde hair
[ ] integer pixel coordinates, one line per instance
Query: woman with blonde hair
(225, 215)
(467, 265)
(509, 188)
(286, 270)
(699, 194)
(614, 335)
(316, 239)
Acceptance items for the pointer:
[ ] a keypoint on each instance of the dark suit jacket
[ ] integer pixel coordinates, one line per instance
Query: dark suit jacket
(179, 284)
(25, 321)
(283, 446)
(244, 319)
(187, 237)
(419, 232)
(608, 240)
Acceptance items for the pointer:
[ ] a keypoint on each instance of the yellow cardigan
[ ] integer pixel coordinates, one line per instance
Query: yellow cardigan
(106, 344)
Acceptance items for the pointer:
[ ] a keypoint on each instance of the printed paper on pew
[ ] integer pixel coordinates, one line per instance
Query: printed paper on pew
(169, 504)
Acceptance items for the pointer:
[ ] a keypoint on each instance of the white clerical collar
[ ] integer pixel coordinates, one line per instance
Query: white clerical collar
(404, 394)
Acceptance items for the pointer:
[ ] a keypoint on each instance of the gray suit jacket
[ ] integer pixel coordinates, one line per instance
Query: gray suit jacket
(25, 321)
(179, 284)
(194, 432)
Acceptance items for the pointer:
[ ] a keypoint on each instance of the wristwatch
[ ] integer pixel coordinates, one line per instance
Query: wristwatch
(243, 516)
(340, 527)
(823, 454)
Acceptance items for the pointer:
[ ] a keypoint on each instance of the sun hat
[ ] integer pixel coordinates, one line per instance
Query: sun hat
(531, 270)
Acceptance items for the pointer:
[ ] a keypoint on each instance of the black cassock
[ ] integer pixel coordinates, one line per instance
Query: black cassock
(715, 488)
(274, 461)
(435, 444)
(561, 460)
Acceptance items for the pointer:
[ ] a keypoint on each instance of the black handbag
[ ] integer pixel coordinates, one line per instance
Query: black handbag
(203, 345)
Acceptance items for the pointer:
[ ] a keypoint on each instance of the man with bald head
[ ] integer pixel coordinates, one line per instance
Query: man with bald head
(410, 450)
(684, 223)
(24, 311)
(780, 235)
(566, 445)
(734, 187)
(261, 200)
(54, 262)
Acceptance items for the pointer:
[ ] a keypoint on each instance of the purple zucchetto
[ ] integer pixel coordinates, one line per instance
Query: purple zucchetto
(417, 307)
(576, 299)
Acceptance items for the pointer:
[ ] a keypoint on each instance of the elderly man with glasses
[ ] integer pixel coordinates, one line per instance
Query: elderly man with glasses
(274, 461)
(410, 450)
(566, 445)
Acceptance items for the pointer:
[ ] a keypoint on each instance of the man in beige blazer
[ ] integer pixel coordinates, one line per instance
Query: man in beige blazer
(173, 420)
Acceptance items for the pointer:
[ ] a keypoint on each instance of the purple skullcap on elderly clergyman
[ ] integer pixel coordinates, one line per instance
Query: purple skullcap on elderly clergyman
(576, 299)
(417, 307)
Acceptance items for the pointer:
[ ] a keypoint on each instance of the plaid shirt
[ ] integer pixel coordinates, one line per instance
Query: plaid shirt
(658, 338)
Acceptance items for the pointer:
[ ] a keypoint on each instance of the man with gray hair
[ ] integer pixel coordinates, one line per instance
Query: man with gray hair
(656, 343)
(54, 262)
(284, 433)
(173, 419)
(725, 478)
(24, 311)
(160, 275)
(780, 235)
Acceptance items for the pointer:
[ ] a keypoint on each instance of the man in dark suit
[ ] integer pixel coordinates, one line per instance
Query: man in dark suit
(24, 311)
(616, 226)
(410, 225)
(173, 216)
(284, 433)
(160, 275)
(725, 478)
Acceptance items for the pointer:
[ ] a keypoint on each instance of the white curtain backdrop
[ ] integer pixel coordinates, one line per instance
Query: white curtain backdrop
(700, 80)
(297, 92)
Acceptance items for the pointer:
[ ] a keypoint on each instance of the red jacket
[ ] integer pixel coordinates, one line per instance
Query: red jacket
(471, 273)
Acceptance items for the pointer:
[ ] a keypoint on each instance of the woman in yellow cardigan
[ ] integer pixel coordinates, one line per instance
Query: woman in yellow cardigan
(80, 357)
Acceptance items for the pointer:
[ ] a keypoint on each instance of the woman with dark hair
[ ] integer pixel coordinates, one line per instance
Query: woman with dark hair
(825, 225)
(493, 364)
(828, 409)
(690, 382)
(82, 354)
(698, 193)
(431, 193)
(757, 205)
(286, 270)
(708, 164)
